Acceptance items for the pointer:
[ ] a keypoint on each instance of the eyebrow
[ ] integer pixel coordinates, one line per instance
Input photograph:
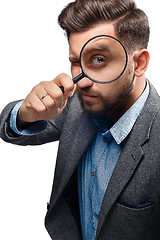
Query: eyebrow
(98, 47)
(92, 49)
(72, 58)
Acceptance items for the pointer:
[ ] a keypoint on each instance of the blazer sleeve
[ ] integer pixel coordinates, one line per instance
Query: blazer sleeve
(51, 133)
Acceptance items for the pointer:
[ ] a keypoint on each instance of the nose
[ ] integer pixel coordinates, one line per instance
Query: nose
(84, 83)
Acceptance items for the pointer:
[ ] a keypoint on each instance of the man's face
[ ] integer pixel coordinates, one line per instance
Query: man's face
(96, 98)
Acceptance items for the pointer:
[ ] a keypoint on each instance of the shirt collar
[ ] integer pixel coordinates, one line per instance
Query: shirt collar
(124, 125)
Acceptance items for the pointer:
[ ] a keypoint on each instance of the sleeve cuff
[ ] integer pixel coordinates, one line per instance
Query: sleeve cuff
(32, 129)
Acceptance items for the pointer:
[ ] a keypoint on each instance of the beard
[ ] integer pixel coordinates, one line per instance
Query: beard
(106, 106)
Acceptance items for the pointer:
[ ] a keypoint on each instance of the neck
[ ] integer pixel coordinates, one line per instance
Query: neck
(119, 110)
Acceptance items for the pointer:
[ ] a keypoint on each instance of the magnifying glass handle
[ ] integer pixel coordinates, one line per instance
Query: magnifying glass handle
(79, 77)
(75, 80)
(62, 89)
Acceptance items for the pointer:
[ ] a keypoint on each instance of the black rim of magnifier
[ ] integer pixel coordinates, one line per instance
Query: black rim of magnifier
(84, 74)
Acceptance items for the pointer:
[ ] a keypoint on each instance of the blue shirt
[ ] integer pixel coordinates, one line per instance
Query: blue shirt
(98, 163)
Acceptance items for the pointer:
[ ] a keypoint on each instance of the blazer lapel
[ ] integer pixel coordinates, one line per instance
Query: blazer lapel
(130, 157)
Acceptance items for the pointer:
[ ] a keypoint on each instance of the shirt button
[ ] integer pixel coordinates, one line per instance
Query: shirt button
(92, 173)
(104, 139)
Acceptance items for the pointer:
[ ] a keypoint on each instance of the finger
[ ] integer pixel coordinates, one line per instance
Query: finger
(52, 108)
(49, 88)
(47, 101)
(31, 109)
(54, 93)
(67, 83)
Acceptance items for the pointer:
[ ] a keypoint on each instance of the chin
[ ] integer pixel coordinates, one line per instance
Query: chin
(93, 109)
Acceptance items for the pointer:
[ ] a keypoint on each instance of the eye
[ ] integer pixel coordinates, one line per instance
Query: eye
(98, 60)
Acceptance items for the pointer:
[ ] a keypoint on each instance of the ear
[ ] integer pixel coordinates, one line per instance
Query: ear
(141, 59)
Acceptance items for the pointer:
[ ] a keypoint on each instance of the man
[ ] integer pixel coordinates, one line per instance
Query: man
(106, 183)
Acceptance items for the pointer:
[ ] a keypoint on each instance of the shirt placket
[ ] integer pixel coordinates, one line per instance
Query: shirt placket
(99, 156)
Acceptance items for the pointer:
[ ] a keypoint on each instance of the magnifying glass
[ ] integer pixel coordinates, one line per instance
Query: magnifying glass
(103, 59)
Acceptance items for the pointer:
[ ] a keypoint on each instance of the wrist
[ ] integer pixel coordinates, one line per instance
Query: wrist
(21, 125)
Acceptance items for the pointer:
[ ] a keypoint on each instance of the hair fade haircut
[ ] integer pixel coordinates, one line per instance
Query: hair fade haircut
(130, 23)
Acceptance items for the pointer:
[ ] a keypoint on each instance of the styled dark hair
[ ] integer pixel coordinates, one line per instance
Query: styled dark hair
(130, 23)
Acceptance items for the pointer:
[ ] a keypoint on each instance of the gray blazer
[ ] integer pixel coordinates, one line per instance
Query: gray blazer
(131, 205)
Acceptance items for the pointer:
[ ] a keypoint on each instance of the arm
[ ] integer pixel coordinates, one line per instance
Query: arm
(52, 109)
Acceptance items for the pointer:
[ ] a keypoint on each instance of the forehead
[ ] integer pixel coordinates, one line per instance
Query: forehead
(78, 39)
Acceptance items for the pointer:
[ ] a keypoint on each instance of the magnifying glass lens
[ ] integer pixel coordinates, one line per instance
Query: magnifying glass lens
(103, 59)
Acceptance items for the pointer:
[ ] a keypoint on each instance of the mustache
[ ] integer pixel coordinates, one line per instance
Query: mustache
(87, 92)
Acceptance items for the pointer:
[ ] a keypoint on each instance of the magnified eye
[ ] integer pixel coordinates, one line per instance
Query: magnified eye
(103, 59)
(98, 60)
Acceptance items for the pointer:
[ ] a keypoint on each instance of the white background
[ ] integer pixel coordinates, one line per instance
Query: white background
(33, 48)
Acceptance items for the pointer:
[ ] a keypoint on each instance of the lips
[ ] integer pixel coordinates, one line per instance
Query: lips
(87, 94)
(88, 97)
